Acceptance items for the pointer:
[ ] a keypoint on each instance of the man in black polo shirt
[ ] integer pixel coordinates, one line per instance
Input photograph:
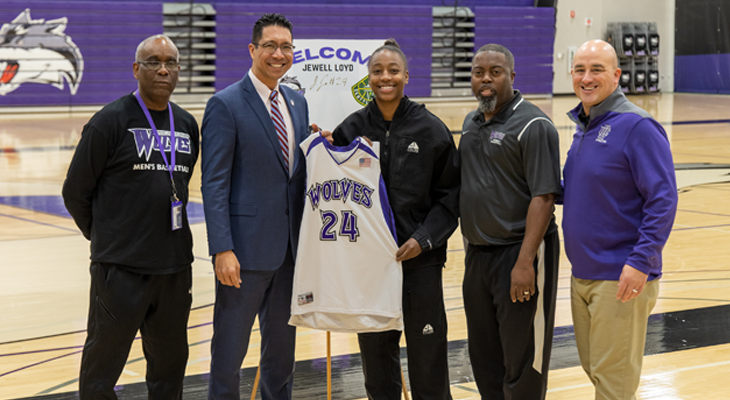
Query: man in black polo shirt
(510, 176)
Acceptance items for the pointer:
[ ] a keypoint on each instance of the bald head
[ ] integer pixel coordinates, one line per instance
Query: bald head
(595, 73)
(598, 48)
(162, 38)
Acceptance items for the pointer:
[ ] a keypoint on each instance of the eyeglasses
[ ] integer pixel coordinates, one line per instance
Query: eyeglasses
(156, 65)
(271, 48)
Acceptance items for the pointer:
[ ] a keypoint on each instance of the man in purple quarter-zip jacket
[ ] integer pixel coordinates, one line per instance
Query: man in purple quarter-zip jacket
(620, 199)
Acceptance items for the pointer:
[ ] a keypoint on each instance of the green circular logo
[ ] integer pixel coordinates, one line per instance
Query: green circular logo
(361, 91)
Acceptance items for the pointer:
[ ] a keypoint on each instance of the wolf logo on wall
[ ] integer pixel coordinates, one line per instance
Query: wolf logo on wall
(38, 51)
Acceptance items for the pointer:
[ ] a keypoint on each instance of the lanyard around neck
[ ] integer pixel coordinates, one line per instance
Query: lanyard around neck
(171, 165)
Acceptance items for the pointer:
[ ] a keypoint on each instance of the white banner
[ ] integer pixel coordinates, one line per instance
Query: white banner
(333, 76)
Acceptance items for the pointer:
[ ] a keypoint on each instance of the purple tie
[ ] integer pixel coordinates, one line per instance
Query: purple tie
(280, 127)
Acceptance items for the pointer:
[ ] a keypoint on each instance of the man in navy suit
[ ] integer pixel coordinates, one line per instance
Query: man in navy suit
(253, 178)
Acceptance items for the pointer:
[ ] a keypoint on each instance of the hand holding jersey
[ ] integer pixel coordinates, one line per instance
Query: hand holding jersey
(410, 249)
(328, 135)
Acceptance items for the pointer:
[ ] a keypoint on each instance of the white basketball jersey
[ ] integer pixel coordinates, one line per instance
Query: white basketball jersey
(346, 278)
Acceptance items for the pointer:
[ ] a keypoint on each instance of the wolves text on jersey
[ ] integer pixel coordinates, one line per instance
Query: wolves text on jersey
(341, 189)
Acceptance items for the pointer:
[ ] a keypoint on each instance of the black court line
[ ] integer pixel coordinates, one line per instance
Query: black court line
(700, 227)
(38, 222)
(40, 363)
(703, 213)
(707, 121)
(667, 333)
(43, 337)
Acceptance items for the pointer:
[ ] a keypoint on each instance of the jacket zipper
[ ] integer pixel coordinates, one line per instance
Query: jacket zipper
(387, 136)
(580, 143)
(585, 131)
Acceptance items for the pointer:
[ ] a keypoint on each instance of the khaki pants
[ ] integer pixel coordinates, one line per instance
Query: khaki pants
(611, 335)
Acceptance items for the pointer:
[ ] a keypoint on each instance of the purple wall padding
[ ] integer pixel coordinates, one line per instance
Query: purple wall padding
(107, 34)
(703, 73)
(430, 3)
(409, 25)
(529, 33)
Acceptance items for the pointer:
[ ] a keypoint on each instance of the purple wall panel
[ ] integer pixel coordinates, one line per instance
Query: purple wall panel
(106, 45)
(536, 89)
(533, 60)
(411, 28)
(313, 13)
(516, 11)
(529, 34)
(430, 3)
(531, 69)
(530, 51)
(495, 20)
(530, 79)
(81, 7)
(699, 73)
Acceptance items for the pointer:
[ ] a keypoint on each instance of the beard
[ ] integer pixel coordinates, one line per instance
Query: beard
(487, 104)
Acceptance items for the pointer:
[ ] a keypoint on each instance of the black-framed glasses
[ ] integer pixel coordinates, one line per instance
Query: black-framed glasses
(156, 65)
(270, 47)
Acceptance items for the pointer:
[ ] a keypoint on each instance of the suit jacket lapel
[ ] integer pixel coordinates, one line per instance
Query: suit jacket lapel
(254, 100)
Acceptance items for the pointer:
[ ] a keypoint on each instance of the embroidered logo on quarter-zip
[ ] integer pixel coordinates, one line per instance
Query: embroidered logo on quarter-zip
(605, 130)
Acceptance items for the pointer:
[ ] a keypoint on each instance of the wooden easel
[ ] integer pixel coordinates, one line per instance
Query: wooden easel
(329, 375)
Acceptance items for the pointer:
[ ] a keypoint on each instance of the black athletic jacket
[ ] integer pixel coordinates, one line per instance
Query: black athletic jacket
(420, 167)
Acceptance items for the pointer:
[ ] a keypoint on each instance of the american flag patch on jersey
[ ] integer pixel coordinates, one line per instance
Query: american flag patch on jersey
(365, 162)
(305, 298)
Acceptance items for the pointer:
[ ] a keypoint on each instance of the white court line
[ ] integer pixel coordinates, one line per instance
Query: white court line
(562, 389)
(650, 376)
(694, 367)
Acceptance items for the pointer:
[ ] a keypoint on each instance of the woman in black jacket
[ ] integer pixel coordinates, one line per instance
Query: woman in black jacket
(420, 167)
